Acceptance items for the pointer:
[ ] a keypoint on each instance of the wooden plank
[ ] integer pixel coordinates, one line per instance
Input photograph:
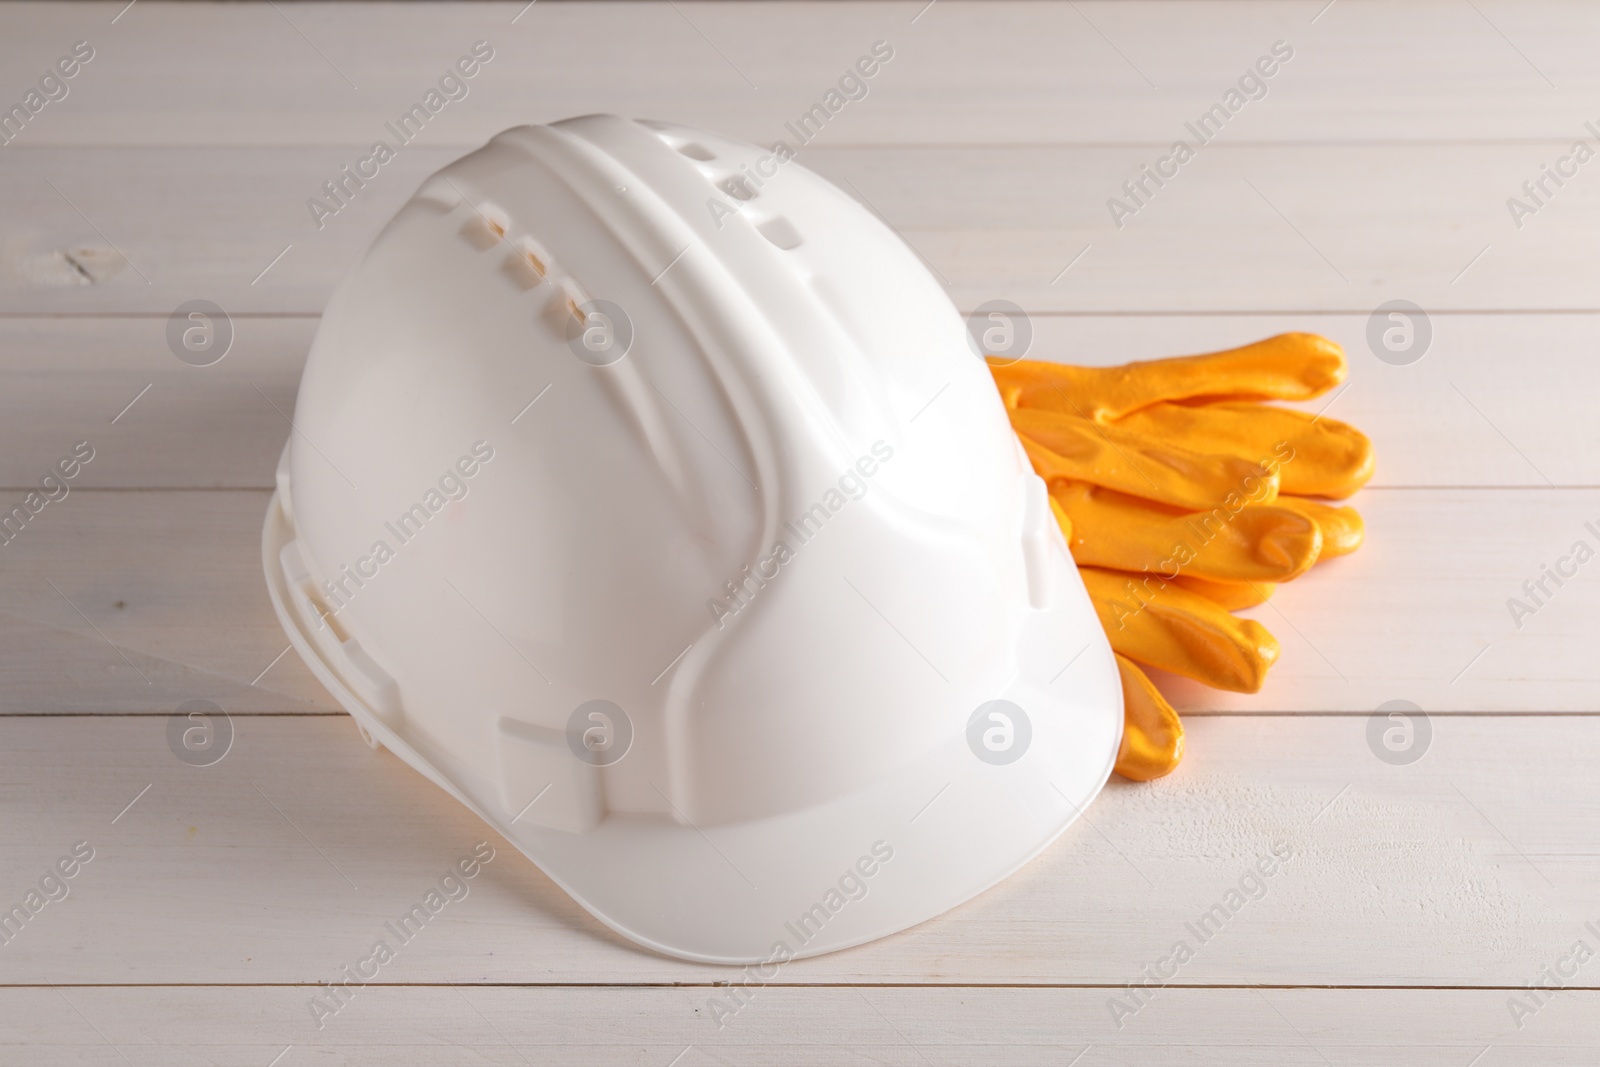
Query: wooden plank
(1241, 228)
(971, 73)
(282, 862)
(1453, 419)
(172, 582)
(401, 1027)
(158, 599)
(153, 420)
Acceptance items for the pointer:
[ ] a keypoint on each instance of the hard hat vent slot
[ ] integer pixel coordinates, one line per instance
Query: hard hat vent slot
(536, 256)
(574, 299)
(531, 265)
(697, 151)
(494, 219)
(523, 272)
(781, 232)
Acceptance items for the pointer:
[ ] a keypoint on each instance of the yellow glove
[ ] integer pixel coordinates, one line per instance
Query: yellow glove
(1183, 497)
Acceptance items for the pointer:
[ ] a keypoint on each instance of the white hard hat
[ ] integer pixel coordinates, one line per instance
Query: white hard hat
(646, 495)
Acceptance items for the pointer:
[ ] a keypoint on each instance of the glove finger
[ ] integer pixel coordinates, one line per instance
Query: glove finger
(1065, 446)
(1232, 596)
(1162, 625)
(1247, 544)
(1290, 366)
(1315, 456)
(1342, 528)
(1063, 520)
(1152, 734)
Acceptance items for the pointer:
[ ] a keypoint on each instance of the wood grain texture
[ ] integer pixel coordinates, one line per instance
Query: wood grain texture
(173, 608)
(154, 421)
(887, 1027)
(1497, 400)
(282, 862)
(963, 72)
(1421, 899)
(1241, 228)
(141, 601)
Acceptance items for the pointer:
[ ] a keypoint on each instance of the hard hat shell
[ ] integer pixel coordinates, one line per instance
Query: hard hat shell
(646, 495)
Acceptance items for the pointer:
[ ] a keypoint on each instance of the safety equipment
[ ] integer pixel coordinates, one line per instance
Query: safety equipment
(1183, 497)
(645, 495)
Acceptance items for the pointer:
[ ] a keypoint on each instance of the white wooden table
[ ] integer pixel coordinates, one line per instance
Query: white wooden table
(1421, 899)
